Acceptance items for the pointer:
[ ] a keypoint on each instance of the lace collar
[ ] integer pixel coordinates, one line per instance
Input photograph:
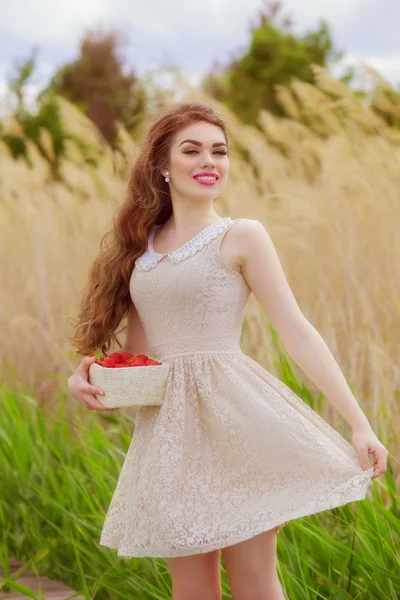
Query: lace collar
(150, 258)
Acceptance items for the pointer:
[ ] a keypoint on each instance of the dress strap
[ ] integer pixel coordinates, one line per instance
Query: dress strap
(220, 238)
(218, 248)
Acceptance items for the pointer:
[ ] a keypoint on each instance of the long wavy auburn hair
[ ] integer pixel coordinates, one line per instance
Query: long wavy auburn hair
(105, 299)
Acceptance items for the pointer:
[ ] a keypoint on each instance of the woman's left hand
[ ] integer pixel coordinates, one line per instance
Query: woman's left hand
(366, 442)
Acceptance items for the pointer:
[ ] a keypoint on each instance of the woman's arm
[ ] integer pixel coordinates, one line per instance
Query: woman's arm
(135, 340)
(261, 267)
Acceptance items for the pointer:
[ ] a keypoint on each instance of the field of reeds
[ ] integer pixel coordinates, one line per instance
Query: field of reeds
(325, 181)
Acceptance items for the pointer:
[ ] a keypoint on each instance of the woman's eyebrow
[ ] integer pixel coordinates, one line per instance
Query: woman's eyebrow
(200, 144)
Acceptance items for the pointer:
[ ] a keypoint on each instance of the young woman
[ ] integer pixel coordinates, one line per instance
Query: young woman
(232, 454)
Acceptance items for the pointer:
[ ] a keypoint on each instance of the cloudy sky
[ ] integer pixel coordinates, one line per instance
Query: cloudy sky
(189, 34)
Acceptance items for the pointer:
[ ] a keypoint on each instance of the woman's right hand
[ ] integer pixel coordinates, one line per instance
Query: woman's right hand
(80, 388)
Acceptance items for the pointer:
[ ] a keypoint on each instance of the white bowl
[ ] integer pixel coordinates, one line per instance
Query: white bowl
(130, 386)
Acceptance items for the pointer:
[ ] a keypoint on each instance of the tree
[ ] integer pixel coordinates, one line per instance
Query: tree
(42, 124)
(275, 55)
(97, 84)
(21, 75)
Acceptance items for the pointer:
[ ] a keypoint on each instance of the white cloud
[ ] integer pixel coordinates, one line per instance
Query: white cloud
(57, 22)
(388, 67)
(390, 64)
(189, 34)
(44, 21)
(335, 11)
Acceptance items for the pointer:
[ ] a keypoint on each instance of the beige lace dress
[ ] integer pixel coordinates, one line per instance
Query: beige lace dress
(232, 451)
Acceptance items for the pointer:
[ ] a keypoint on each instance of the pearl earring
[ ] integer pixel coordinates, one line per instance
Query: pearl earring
(167, 178)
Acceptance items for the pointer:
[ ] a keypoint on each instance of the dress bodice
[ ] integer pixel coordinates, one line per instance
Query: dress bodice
(190, 300)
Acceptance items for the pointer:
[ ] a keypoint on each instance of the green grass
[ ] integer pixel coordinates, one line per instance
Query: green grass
(58, 470)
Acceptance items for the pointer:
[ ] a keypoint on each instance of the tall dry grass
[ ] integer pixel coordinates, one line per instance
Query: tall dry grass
(325, 181)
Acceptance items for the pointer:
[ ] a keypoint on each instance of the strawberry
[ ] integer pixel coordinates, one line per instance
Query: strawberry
(126, 355)
(150, 361)
(137, 362)
(110, 362)
(116, 356)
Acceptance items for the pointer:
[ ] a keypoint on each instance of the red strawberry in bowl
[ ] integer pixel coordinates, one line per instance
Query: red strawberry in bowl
(119, 360)
(116, 356)
(138, 361)
(110, 362)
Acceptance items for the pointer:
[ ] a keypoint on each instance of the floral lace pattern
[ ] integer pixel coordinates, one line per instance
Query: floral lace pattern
(232, 451)
(150, 258)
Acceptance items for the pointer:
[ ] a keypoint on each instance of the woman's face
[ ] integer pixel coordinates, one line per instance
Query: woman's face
(206, 153)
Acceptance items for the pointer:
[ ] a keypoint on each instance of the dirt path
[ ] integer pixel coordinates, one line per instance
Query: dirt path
(51, 590)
